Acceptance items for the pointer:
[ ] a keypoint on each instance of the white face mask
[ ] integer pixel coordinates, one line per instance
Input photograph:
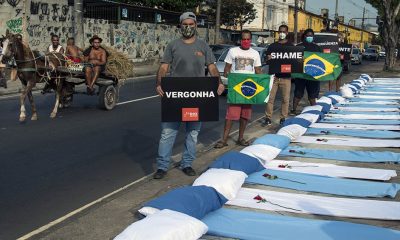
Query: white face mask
(282, 35)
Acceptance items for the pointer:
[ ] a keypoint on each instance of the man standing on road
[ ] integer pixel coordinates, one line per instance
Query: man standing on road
(239, 112)
(300, 85)
(281, 81)
(186, 57)
(338, 81)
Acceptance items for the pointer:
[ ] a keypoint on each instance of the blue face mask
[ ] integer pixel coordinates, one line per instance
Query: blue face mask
(309, 39)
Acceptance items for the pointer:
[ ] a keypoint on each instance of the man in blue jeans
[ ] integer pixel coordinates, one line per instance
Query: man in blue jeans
(184, 57)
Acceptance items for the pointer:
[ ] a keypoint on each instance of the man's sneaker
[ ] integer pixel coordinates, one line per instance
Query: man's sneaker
(267, 122)
(160, 174)
(282, 121)
(189, 171)
(292, 113)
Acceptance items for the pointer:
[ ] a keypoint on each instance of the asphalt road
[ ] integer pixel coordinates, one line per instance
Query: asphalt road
(51, 167)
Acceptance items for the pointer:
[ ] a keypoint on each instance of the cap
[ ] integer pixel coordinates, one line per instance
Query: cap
(187, 15)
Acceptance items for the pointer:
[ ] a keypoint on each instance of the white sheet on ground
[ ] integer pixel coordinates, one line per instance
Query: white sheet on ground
(378, 97)
(362, 116)
(348, 141)
(378, 102)
(308, 204)
(379, 93)
(332, 170)
(366, 109)
(355, 126)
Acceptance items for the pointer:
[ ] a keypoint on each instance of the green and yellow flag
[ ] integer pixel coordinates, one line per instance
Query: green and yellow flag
(248, 88)
(320, 66)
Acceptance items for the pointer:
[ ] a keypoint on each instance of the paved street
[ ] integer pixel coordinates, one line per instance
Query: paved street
(49, 168)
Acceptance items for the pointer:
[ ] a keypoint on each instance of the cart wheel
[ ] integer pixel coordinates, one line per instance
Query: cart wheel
(108, 97)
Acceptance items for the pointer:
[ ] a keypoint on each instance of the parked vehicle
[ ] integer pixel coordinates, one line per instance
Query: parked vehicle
(356, 56)
(382, 53)
(371, 54)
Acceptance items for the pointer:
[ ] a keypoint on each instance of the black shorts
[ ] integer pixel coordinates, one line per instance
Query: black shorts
(312, 87)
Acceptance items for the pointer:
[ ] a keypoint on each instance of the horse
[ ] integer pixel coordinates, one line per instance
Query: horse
(33, 67)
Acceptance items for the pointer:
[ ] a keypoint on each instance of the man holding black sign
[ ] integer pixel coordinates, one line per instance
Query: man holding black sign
(281, 81)
(300, 85)
(187, 57)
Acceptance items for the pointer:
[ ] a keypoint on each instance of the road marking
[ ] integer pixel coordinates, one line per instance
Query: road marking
(59, 220)
(65, 217)
(136, 100)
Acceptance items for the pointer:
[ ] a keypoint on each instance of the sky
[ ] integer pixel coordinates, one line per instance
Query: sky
(347, 8)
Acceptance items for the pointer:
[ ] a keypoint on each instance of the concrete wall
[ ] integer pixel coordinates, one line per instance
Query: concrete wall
(38, 20)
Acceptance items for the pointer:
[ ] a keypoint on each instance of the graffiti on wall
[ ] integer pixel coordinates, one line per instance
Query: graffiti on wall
(13, 3)
(15, 25)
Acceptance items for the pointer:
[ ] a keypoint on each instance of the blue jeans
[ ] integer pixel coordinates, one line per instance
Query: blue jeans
(169, 130)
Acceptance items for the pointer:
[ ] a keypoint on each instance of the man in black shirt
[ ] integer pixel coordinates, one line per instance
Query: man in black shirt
(281, 81)
(312, 87)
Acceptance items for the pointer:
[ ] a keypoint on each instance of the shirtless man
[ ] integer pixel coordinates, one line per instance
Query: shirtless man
(97, 58)
(72, 51)
(55, 45)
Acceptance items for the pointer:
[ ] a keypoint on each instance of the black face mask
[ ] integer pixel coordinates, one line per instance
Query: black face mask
(188, 31)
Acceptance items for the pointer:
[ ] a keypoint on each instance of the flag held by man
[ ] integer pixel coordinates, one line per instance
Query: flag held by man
(320, 67)
(248, 88)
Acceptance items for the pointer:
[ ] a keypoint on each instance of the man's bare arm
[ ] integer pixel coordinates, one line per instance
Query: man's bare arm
(258, 70)
(215, 73)
(103, 58)
(162, 72)
(227, 69)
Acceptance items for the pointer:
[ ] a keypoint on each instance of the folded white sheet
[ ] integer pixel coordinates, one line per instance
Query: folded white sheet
(348, 141)
(363, 116)
(355, 126)
(330, 206)
(332, 170)
(367, 109)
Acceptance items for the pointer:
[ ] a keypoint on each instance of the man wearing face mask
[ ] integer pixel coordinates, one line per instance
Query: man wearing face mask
(312, 87)
(241, 59)
(282, 81)
(183, 57)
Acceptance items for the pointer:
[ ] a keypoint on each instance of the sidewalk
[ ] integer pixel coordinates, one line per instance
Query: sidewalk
(140, 69)
(111, 215)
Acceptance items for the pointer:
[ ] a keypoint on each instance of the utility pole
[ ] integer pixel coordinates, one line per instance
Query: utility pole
(362, 28)
(336, 10)
(296, 8)
(263, 16)
(217, 22)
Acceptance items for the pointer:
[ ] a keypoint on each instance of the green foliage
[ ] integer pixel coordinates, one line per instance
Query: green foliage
(234, 13)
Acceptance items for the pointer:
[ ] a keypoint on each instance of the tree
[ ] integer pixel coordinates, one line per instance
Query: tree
(171, 5)
(234, 13)
(389, 31)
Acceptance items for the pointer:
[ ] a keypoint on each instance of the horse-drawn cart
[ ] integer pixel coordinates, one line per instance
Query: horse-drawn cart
(106, 83)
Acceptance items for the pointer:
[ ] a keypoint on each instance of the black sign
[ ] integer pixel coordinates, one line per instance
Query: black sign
(329, 42)
(286, 59)
(345, 51)
(189, 99)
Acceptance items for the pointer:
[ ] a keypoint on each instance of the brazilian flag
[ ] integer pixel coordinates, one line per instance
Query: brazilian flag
(320, 66)
(248, 88)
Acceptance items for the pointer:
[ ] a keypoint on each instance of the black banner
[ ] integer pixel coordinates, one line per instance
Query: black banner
(189, 99)
(345, 51)
(286, 59)
(328, 42)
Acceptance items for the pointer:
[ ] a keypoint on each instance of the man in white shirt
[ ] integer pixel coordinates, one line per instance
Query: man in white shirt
(241, 59)
(55, 46)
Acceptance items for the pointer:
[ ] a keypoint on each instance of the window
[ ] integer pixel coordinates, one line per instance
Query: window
(270, 13)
